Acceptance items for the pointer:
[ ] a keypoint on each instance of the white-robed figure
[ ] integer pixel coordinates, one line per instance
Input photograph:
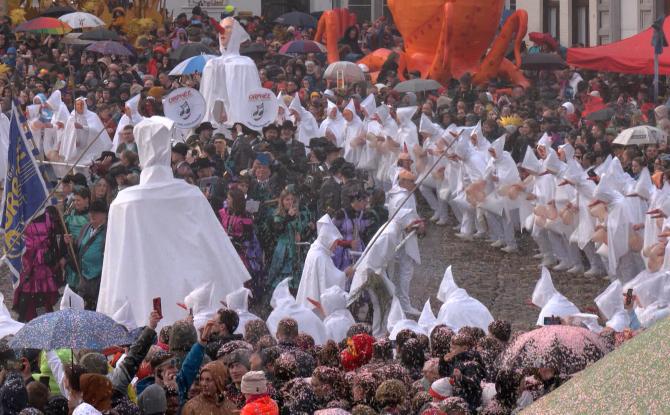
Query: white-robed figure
(319, 272)
(85, 136)
(39, 122)
(354, 135)
(459, 308)
(306, 125)
(131, 116)
(334, 125)
(284, 305)
(228, 79)
(338, 318)
(145, 258)
(551, 302)
(376, 259)
(238, 300)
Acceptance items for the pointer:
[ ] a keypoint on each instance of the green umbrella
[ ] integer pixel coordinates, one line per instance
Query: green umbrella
(630, 380)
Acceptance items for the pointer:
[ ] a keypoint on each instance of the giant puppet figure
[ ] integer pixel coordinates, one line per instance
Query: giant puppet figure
(228, 79)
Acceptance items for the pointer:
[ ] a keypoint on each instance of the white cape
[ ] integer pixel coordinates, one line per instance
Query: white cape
(284, 305)
(75, 141)
(228, 79)
(163, 238)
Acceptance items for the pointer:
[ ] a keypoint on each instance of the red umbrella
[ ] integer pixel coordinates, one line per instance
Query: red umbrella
(46, 25)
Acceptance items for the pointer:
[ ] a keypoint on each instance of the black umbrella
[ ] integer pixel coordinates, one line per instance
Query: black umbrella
(100, 34)
(298, 19)
(190, 50)
(253, 49)
(604, 114)
(542, 61)
(57, 11)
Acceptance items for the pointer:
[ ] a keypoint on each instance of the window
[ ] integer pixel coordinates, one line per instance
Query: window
(551, 18)
(580, 22)
(362, 8)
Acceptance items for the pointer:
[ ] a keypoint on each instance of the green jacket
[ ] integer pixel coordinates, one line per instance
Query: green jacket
(75, 222)
(90, 250)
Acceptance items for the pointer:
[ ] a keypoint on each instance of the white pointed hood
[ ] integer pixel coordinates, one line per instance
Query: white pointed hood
(351, 107)
(568, 150)
(553, 164)
(544, 289)
(460, 310)
(55, 100)
(153, 148)
(327, 232)
(71, 300)
(200, 299)
(368, 105)
(334, 298)
(124, 316)
(237, 37)
(238, 300)
(531, 162)
(557, 306)
(610, 301)
(498, 146)
(405, 115)
(427, 319)
(397, 321)
(643, 186)
(447, 286)
(545, 141)
(281, 295)
(426, 126)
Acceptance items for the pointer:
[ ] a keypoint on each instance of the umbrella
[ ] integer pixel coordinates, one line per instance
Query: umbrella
(73, 39)
(80, 20)
(641, 135)
(298, 19)
(349, 70)
(73, 329)
(632, 379)
(604, 114)
(100, 34)
(302, 46)
(418, 85)
(44, 25)
(190, 50)
(567, 349)
(191, 65)
(56, 11)
(253, 49)
(542, 61)
(109, 47)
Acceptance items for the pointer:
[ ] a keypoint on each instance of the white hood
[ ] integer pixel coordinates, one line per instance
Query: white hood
(427, 319)
(610, 301)
(153, 148)
(238, 300)
(544, 289)
(498, 146)
(327, 232)
(447, 286)
(334, 298)
(124, 316)
(531, 162)
(237, 37)
(369, 105)
(71, 300)
(7, 324)
(397, 321)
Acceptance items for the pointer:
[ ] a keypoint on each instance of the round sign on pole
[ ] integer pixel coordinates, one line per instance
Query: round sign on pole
(262, 108)
(185, 106)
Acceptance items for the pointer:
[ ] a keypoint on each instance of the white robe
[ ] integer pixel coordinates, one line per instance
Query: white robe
(228, 79)
(319, 272)
(284, 305)
(75, 141)
(338, 319)
(134, 119)
(163, 238)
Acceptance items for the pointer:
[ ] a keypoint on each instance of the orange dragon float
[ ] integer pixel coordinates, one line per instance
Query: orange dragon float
(443, 39)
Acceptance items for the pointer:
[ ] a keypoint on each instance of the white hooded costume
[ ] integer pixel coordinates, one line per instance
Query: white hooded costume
(238, 300)
(284, 305)
(397, 321)
(152, 225)
(551, 302)
(305, 123)
(8, 326)
(228, 79)
(338, 319)
(4, 146)
(353, 134)
(459, 308)
(319, 272)
(76, 141)
(611, 304)
(132, 107)
(334, 124)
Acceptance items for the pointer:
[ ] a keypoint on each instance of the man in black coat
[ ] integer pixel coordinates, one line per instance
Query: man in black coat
(331, 189)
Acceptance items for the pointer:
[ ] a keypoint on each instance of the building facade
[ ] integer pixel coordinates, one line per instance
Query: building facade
(592, 22)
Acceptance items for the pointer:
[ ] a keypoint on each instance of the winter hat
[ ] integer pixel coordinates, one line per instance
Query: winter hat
(254, 383)
(94, 363)
(441, 389)
(153, 400)
(240, 356)
(182, 337)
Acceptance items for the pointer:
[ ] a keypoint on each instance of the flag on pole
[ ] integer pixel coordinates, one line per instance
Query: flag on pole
(25, 191)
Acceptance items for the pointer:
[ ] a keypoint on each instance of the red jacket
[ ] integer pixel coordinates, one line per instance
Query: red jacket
(263, 405)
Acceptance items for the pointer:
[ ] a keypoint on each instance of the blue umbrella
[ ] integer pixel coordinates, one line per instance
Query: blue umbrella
(72, 329)
(191, 65)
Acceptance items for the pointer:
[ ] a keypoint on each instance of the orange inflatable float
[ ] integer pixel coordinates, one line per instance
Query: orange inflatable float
(444, 39)
(331, 27)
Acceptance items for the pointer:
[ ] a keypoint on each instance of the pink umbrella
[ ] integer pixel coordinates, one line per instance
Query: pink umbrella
(567, 349)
